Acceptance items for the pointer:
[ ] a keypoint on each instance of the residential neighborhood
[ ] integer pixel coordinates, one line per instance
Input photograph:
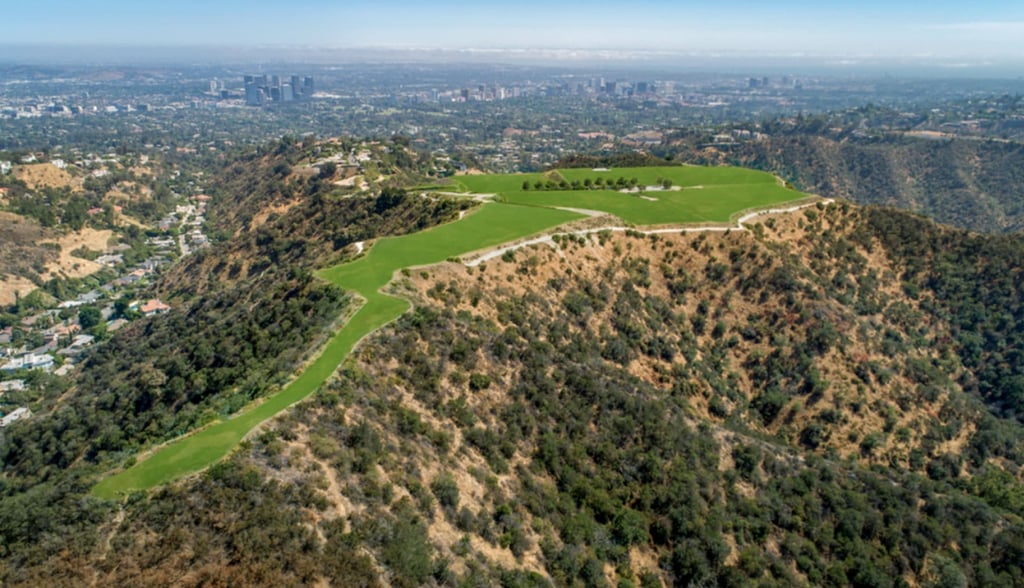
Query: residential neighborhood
(54, 339)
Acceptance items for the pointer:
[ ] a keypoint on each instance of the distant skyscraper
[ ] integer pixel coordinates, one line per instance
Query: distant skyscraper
(253, 94)
(261, 89)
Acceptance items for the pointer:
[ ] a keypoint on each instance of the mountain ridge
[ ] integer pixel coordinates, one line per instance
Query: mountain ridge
(827, 398)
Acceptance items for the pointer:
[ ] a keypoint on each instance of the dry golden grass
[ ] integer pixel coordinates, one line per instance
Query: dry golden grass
(76, 267)
(46, 175)
(865, 409)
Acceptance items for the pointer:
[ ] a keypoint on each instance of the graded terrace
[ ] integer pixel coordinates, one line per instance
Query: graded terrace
(644, 196)
(529, 203)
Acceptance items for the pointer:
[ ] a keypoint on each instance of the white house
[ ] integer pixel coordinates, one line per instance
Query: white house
(29, 362)
(12, 386)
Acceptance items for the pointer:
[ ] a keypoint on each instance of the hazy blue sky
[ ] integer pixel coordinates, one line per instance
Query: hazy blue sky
(941, 28)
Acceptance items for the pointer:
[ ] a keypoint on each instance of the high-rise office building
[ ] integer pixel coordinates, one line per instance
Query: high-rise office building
(253, 94)
(261, 89)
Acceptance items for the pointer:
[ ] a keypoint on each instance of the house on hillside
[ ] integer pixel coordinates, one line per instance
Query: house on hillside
(29, 362)
(53, 335)
(153, 307)
(77, 346)
(12, 386)
(110, 260)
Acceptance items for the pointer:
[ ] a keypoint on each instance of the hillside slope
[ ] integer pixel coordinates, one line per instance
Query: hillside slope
(826, 399)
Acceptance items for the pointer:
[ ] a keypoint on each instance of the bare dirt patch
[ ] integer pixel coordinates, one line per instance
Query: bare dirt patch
(21, 256)
(76, 267)
(46, 175)
(262, 216)
(353, 182)
(128, 192)
(13, 286)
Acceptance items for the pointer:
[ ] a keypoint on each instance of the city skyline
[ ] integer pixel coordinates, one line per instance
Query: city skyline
(793, 28)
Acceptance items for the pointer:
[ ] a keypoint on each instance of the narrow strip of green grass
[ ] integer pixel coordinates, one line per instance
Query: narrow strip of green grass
(492, 224)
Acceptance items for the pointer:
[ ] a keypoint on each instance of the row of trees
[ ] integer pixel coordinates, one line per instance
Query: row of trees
(598, 183)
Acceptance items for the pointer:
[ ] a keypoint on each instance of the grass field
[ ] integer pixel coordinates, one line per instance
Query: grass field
(492, 224)
(707, 194)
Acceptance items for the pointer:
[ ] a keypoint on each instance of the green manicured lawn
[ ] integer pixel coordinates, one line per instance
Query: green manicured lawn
(495, 183)
(492, 224)
(708, 194)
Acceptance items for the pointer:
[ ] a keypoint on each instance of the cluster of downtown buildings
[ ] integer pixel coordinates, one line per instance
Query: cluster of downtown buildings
(263, 89)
